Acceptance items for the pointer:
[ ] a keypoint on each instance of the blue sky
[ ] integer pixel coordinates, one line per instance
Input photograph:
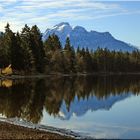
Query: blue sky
(120, 18)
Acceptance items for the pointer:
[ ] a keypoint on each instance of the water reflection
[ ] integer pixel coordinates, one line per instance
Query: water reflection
(63, 96)
(6, 83)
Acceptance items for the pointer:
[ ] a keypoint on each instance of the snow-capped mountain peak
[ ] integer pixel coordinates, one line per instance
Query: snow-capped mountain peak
(79, 36)
(79, 29)
(62, 26)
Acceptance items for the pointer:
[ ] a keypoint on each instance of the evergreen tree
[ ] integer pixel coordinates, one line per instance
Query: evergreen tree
(9, 42)
(52, 43)
(13, 49)
(48, 44)
(67, 45)
(53, 51)
(79, 60)
(57, 62)
(38, 48)
(56, 43)
(17, 53)
(26, 44)
(4, 58)
(69, 58)
(87, 61)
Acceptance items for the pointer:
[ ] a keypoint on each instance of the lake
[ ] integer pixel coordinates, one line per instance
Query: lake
(96, 106)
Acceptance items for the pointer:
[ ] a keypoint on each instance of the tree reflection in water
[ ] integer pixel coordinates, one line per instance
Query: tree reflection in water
(26, 98)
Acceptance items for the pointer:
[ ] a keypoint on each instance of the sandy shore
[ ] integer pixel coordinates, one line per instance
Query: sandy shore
(11, 131)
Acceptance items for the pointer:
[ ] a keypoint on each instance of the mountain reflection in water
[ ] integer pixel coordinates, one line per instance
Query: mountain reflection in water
(63, 96)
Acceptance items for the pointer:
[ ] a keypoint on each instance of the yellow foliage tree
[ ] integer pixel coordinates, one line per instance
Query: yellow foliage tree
(7, 71)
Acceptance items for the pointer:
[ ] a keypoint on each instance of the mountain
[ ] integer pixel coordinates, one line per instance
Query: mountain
(80, 107)
(79, 36)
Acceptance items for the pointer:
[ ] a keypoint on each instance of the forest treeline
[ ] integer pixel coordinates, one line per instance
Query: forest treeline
(27, 53)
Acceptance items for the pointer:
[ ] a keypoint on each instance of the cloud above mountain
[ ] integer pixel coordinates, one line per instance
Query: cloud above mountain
(47, 12)
(117, 17)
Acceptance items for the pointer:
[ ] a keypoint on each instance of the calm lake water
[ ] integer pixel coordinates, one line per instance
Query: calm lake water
(97, 106)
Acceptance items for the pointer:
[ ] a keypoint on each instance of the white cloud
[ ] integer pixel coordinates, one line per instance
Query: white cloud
(116, 14)
(43, 12)
(1, 9)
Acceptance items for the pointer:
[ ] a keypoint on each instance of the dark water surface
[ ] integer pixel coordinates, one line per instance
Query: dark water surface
(98, 106)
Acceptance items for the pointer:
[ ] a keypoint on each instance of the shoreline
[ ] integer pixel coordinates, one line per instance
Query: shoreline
(64, 75)
(23, 127)
(10, 131)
